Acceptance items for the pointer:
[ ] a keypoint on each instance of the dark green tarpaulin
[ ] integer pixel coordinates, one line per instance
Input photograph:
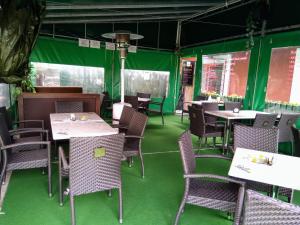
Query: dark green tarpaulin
(52, 50)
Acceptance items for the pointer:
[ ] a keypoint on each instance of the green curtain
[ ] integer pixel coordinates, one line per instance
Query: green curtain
(60, 51)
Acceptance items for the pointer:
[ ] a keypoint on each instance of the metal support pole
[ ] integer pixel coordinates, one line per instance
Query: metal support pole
(122, 79)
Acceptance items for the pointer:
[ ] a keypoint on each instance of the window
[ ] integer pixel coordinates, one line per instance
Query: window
(4, 95)
(146, 81)
(225, 74)
(91, 79)
(284, 76)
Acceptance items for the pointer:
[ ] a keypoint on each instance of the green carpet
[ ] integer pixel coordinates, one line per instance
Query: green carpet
(150, 201)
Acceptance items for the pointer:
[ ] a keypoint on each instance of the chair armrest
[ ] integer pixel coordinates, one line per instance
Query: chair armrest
(30, 121)
(134, 136)
(26, 143)
(212, 156)
(62, 157)
(119, 126)
(30, 131)
(213, 176)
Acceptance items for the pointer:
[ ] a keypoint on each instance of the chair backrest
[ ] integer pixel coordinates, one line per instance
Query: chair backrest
(4, 134)
(285, 123)
(186, 152)
(95, 163)
(197, 121)
(296, 135)
(232, 105)
(68, 107)
(132, 100)
(210, 106)
(256, 138)
(126, 115)
(137, 124)
(261, 209)
(201, 98)
(7, 118)
(264, 120)
(143, 95)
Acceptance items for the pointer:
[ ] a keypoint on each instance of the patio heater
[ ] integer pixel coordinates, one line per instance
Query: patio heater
(122, 43)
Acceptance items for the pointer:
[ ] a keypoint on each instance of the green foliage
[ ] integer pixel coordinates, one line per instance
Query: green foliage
(20, 22)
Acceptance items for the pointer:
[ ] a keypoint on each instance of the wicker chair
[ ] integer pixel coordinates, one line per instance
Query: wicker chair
(132, 100)
(199, 126)
(263, 210)
(68, 107)
(133, 138)
(94, 166)
(23, 125)
(125, 119)
(160, 110)
(232, 105)
(285, 123)
(210, 106)
(208, 190)
(264, 120)
(289, 193)
(257, 139)
(28, 158)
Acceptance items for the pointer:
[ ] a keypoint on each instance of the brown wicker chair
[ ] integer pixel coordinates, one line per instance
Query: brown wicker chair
(263, 210)
(133, 138)
(143, 106)
(208, 190)
(256, 138)
(232, 105)
(94, 166)
(125, 119)
(132, 100)
(201, 128)
(160, 109)
(29, 157)
(68, 107)
(265, 120)
(23, 125)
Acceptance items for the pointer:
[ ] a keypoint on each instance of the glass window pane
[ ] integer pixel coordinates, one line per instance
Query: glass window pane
(225, 74)
(91, 79)
(284, 76)
(4, 95)
(146, 81)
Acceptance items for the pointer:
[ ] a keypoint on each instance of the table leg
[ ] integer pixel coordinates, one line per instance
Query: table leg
(227, 133)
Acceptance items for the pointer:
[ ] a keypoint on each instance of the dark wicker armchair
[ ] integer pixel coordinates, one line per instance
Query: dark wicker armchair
(263, 210)
(132, 100)
(232, 105)
(94, 165)
(265, 120)
(201, 128)
(34, 154)
(261, 139)
(125, 119)
(208, 190)
(159, 110)
(68, 107)
(23, 125)
(133, 138)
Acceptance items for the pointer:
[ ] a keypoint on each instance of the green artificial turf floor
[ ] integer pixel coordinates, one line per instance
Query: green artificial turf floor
(150, 201)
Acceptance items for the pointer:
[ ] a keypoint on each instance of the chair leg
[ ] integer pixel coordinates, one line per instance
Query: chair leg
(214, 142)
(61, 194)
(109, 193)
(142, 164)
(120, 206)
(162, 119)
(72, 210)
(180, 210)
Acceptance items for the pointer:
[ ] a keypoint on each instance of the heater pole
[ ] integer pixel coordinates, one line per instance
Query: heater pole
(122, 79)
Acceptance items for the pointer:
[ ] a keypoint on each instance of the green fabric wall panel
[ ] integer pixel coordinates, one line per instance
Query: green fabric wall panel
(60, 51)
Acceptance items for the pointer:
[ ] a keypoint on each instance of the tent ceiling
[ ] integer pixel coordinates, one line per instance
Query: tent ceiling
(202, 20)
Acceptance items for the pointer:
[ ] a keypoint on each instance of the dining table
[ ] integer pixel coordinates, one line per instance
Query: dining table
(229, 116)
(270, 168)
(86, 124)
